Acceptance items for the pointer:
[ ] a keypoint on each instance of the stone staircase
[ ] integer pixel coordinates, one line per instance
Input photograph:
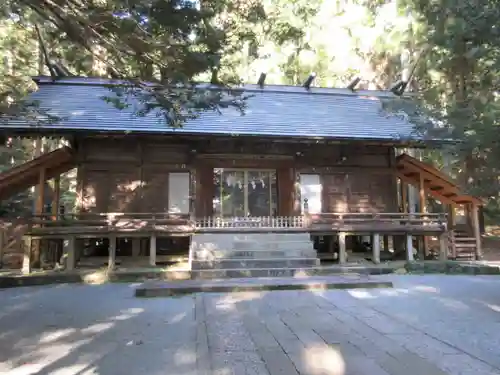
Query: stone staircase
(251, 255)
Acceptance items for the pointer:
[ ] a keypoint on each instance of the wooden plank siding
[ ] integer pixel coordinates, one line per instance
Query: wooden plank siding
(131, 174)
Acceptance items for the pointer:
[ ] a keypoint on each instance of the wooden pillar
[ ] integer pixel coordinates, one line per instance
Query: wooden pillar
(136, 247)
(404, 196)
(2, 242)
(152, 250)
(41, 193)
(286, 185)
(376, 248)
(39, 206)
(204, 191)
(405, 206)
(443, 246)
(451, 227)
(26, 243)
(342, 248)
(409, 247)
(423, 210)
(451, 216)
(112, 252)
(69, 253)
(56, 197)
(476, 230)
(386, 243)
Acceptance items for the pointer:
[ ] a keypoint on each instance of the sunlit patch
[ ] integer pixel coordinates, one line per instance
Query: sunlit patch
(493, 307)
(128, 313)
(72, 369)
(225, 307)
(184, 357)
(97, 328)
(177, 318)
(324, 360)
(54, 336)
(426, 288)
(27, 369)
(402, 291)
(361, 294)
(389, 293)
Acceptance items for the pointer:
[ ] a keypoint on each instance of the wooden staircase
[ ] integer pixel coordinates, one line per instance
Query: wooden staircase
(462, 245)
(429, 180)
(27, 175)
(18, 179)
(435, 182)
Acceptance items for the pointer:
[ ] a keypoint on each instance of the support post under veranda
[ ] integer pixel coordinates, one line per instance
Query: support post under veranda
(476, 230)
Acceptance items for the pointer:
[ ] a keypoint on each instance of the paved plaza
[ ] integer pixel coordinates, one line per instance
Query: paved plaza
(425, 325)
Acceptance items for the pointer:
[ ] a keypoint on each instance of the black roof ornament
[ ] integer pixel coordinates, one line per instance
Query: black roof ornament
(354, 83)
(309, 81)
(262, 80)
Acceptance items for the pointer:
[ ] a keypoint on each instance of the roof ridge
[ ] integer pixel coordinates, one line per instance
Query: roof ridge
(251, 88)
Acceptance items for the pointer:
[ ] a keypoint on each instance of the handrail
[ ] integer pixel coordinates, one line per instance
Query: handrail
(167, 222)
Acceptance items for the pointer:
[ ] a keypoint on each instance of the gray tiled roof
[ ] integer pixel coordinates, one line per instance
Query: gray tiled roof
(273, 111)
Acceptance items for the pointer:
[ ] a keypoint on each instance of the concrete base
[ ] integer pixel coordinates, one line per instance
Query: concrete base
(168, 289)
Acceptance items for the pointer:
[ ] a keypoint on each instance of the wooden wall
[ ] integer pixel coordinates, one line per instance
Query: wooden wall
(130, 174)
(126, 175)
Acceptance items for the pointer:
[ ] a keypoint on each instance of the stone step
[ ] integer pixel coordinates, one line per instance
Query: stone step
(265, 272)
(168, 288)
(255, 263)
(253, 254)
(271, 245)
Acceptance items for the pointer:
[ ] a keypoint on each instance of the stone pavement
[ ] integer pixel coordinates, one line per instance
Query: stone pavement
(425, 325)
